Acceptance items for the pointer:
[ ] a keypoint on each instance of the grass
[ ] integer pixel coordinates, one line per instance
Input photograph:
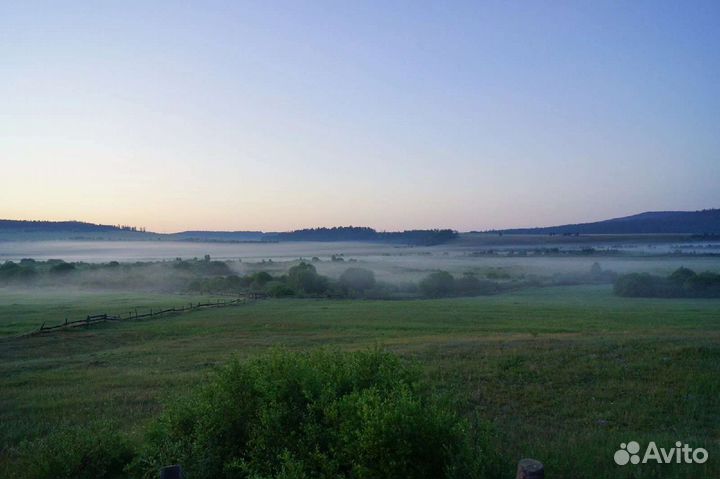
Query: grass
(563, 374)
(23, 310)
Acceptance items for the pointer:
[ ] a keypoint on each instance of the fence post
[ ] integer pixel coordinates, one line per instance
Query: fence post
(530, 469)
(172, 472)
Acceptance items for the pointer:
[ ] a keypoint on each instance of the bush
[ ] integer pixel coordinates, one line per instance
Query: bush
(470, 284)
(497, 274)
(636, 284)
(357, 279)
(440, 283)
(706, 285)
(261, 278)
(682, 274)
(11, 271)
(277, 289)
(683, 282)
(62, 268)
(321, 414)
(304, 278)
(98, 451)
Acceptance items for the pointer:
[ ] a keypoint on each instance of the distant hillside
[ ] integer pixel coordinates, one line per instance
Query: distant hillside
(652, 222)
(12, 230)
(51, 230)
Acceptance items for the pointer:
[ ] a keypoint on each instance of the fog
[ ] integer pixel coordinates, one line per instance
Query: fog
(127, 251)
(485, 256)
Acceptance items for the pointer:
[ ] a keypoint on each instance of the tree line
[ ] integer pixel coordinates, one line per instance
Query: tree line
(363, 233)
(682, 283)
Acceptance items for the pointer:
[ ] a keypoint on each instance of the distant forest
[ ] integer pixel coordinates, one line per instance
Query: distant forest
(64, 226)
(55, 230)
(353, 233)
(704, 224)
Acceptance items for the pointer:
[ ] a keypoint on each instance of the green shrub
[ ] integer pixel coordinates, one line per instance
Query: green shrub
(682, 274)
(261, 278)
(497, 274)
(13, 271)
(305, 278)
(471, 285)
(357, 279)
(277, 289)
(705, 284)
(62, 268)
(97, 451)
(683, 282)
(440, 283)
(636, 284)
(322, 414)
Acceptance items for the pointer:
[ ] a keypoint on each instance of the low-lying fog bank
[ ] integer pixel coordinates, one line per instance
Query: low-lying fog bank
(397, 271)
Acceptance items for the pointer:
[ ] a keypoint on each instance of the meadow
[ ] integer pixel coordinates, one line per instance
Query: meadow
(560, 374)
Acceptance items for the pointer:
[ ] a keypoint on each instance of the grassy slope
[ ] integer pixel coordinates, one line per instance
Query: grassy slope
(565, 374)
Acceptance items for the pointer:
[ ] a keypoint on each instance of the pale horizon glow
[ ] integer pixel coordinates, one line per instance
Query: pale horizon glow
(276, 116)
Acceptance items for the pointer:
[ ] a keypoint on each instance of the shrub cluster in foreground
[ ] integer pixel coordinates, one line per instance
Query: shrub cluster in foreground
(95, 451)
(682, 283)
(320, 414)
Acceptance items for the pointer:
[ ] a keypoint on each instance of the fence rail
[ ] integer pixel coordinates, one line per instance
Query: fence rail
(99, 318)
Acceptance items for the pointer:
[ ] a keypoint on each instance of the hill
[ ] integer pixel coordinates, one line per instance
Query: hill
(651, 222)
(17, 230)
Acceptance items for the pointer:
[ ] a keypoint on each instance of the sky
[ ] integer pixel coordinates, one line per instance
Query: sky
(396, 115)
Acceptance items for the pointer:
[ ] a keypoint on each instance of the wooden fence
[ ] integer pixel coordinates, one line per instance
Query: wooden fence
(99, 318)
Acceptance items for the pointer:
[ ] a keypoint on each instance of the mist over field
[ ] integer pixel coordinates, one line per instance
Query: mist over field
(100, 341)
(394, 263)
(360, 240)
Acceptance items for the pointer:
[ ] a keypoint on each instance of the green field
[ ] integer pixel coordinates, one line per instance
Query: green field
(564, 375)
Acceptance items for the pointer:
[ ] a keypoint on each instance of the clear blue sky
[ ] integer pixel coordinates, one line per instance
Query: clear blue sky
(281, 115)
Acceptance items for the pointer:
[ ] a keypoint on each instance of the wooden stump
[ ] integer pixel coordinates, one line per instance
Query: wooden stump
(172, 472)
(530, 469)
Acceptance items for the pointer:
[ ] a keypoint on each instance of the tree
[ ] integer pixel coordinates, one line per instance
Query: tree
(304, 278)
(440, 283)
(682, 274)
(62, 268)
(358, 279)
(276, 289)
(469, 283)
